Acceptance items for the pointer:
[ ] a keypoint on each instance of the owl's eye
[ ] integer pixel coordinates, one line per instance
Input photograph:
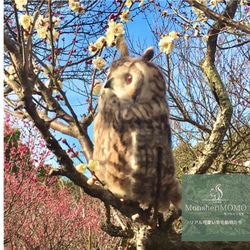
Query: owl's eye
(129, 78)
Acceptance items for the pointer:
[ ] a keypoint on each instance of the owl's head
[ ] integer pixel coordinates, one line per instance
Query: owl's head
(133, 79)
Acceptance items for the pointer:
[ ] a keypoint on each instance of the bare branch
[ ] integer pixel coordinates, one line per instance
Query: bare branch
(223, 19)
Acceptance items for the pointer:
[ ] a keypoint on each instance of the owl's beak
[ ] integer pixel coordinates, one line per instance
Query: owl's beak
(109, 84)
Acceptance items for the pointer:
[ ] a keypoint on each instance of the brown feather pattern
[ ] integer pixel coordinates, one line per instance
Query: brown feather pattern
(131, 124)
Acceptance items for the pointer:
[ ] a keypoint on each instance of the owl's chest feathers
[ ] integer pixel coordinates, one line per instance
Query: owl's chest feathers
(133, 143)
(127, 138)
(136, 123)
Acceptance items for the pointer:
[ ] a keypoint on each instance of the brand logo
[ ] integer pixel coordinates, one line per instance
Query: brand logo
(216, 193)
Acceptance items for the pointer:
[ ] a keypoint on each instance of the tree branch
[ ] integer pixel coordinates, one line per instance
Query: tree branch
(25, 91)
(67, 167)
(222, 19)
(221, 96)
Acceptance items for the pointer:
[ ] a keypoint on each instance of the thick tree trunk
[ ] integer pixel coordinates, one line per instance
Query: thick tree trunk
(219, 92)
(223, 118)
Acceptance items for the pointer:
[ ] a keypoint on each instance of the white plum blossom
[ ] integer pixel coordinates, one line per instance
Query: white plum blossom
(135, 217)
(25, 21)
(113, 31)
(93, 165)
(42, 22)
(128, 3)
(76, 7)
(11, 77)
(110, 39)
(97, 88)
(12, 72)
(99, 42)
(186, 37)
(20, 4)
(125, 15)
(166, 44)
(115, 28)
(56, 21)
(91, 181)
(81, 168)
(99, 63)
(42, 26)
(174, 35)
(205, 38)
(42, 33)
(92, 48)
(196, 33)
(243, 2)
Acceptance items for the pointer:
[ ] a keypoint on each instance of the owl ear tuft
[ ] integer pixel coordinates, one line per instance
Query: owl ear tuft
(122, 46)
(124, 49)
(148, 54)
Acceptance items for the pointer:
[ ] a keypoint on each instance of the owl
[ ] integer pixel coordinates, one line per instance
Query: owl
(132, 135)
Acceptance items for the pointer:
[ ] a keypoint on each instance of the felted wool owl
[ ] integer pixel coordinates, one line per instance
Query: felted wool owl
(132, 135)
